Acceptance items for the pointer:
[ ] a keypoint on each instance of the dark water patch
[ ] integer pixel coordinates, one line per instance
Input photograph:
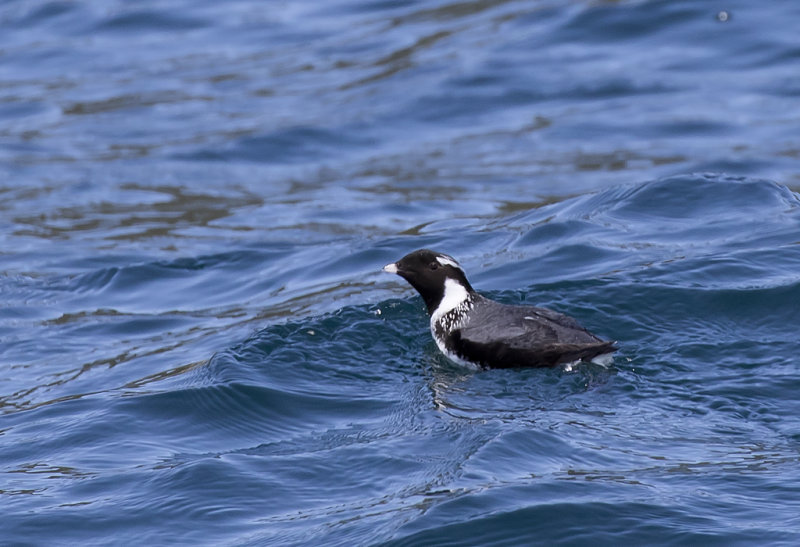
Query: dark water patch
(47, 11)
(292, 145)
(631, 21)
(144, 21)
(652, 522)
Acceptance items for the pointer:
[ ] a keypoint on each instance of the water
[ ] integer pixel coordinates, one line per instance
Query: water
(197, 345)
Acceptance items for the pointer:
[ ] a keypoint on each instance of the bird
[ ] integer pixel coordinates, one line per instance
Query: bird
(475, 331)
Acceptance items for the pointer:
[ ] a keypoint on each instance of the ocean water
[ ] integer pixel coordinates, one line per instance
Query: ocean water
(197, 343)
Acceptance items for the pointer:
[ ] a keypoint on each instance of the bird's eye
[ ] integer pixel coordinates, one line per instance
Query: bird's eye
(434, 265)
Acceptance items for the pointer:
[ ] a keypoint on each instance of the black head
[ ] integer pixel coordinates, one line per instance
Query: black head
(427, 271)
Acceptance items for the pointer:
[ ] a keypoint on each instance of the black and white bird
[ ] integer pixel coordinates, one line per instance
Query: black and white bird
(474, 331)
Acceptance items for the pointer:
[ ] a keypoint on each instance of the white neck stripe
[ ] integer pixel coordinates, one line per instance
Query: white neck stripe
(454, 295)
(447, 261)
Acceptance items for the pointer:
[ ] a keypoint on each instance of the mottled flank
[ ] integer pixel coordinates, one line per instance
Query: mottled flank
(453, 319)
(443, 325)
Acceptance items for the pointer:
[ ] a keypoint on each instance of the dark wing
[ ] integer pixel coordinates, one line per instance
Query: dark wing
(558, 318)
(520, 336)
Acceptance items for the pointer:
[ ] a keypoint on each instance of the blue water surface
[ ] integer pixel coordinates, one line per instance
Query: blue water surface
(197, 345)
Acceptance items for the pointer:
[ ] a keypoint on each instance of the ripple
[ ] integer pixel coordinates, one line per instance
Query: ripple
(197, 343)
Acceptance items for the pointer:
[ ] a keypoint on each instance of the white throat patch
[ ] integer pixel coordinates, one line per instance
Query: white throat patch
(454, 295)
